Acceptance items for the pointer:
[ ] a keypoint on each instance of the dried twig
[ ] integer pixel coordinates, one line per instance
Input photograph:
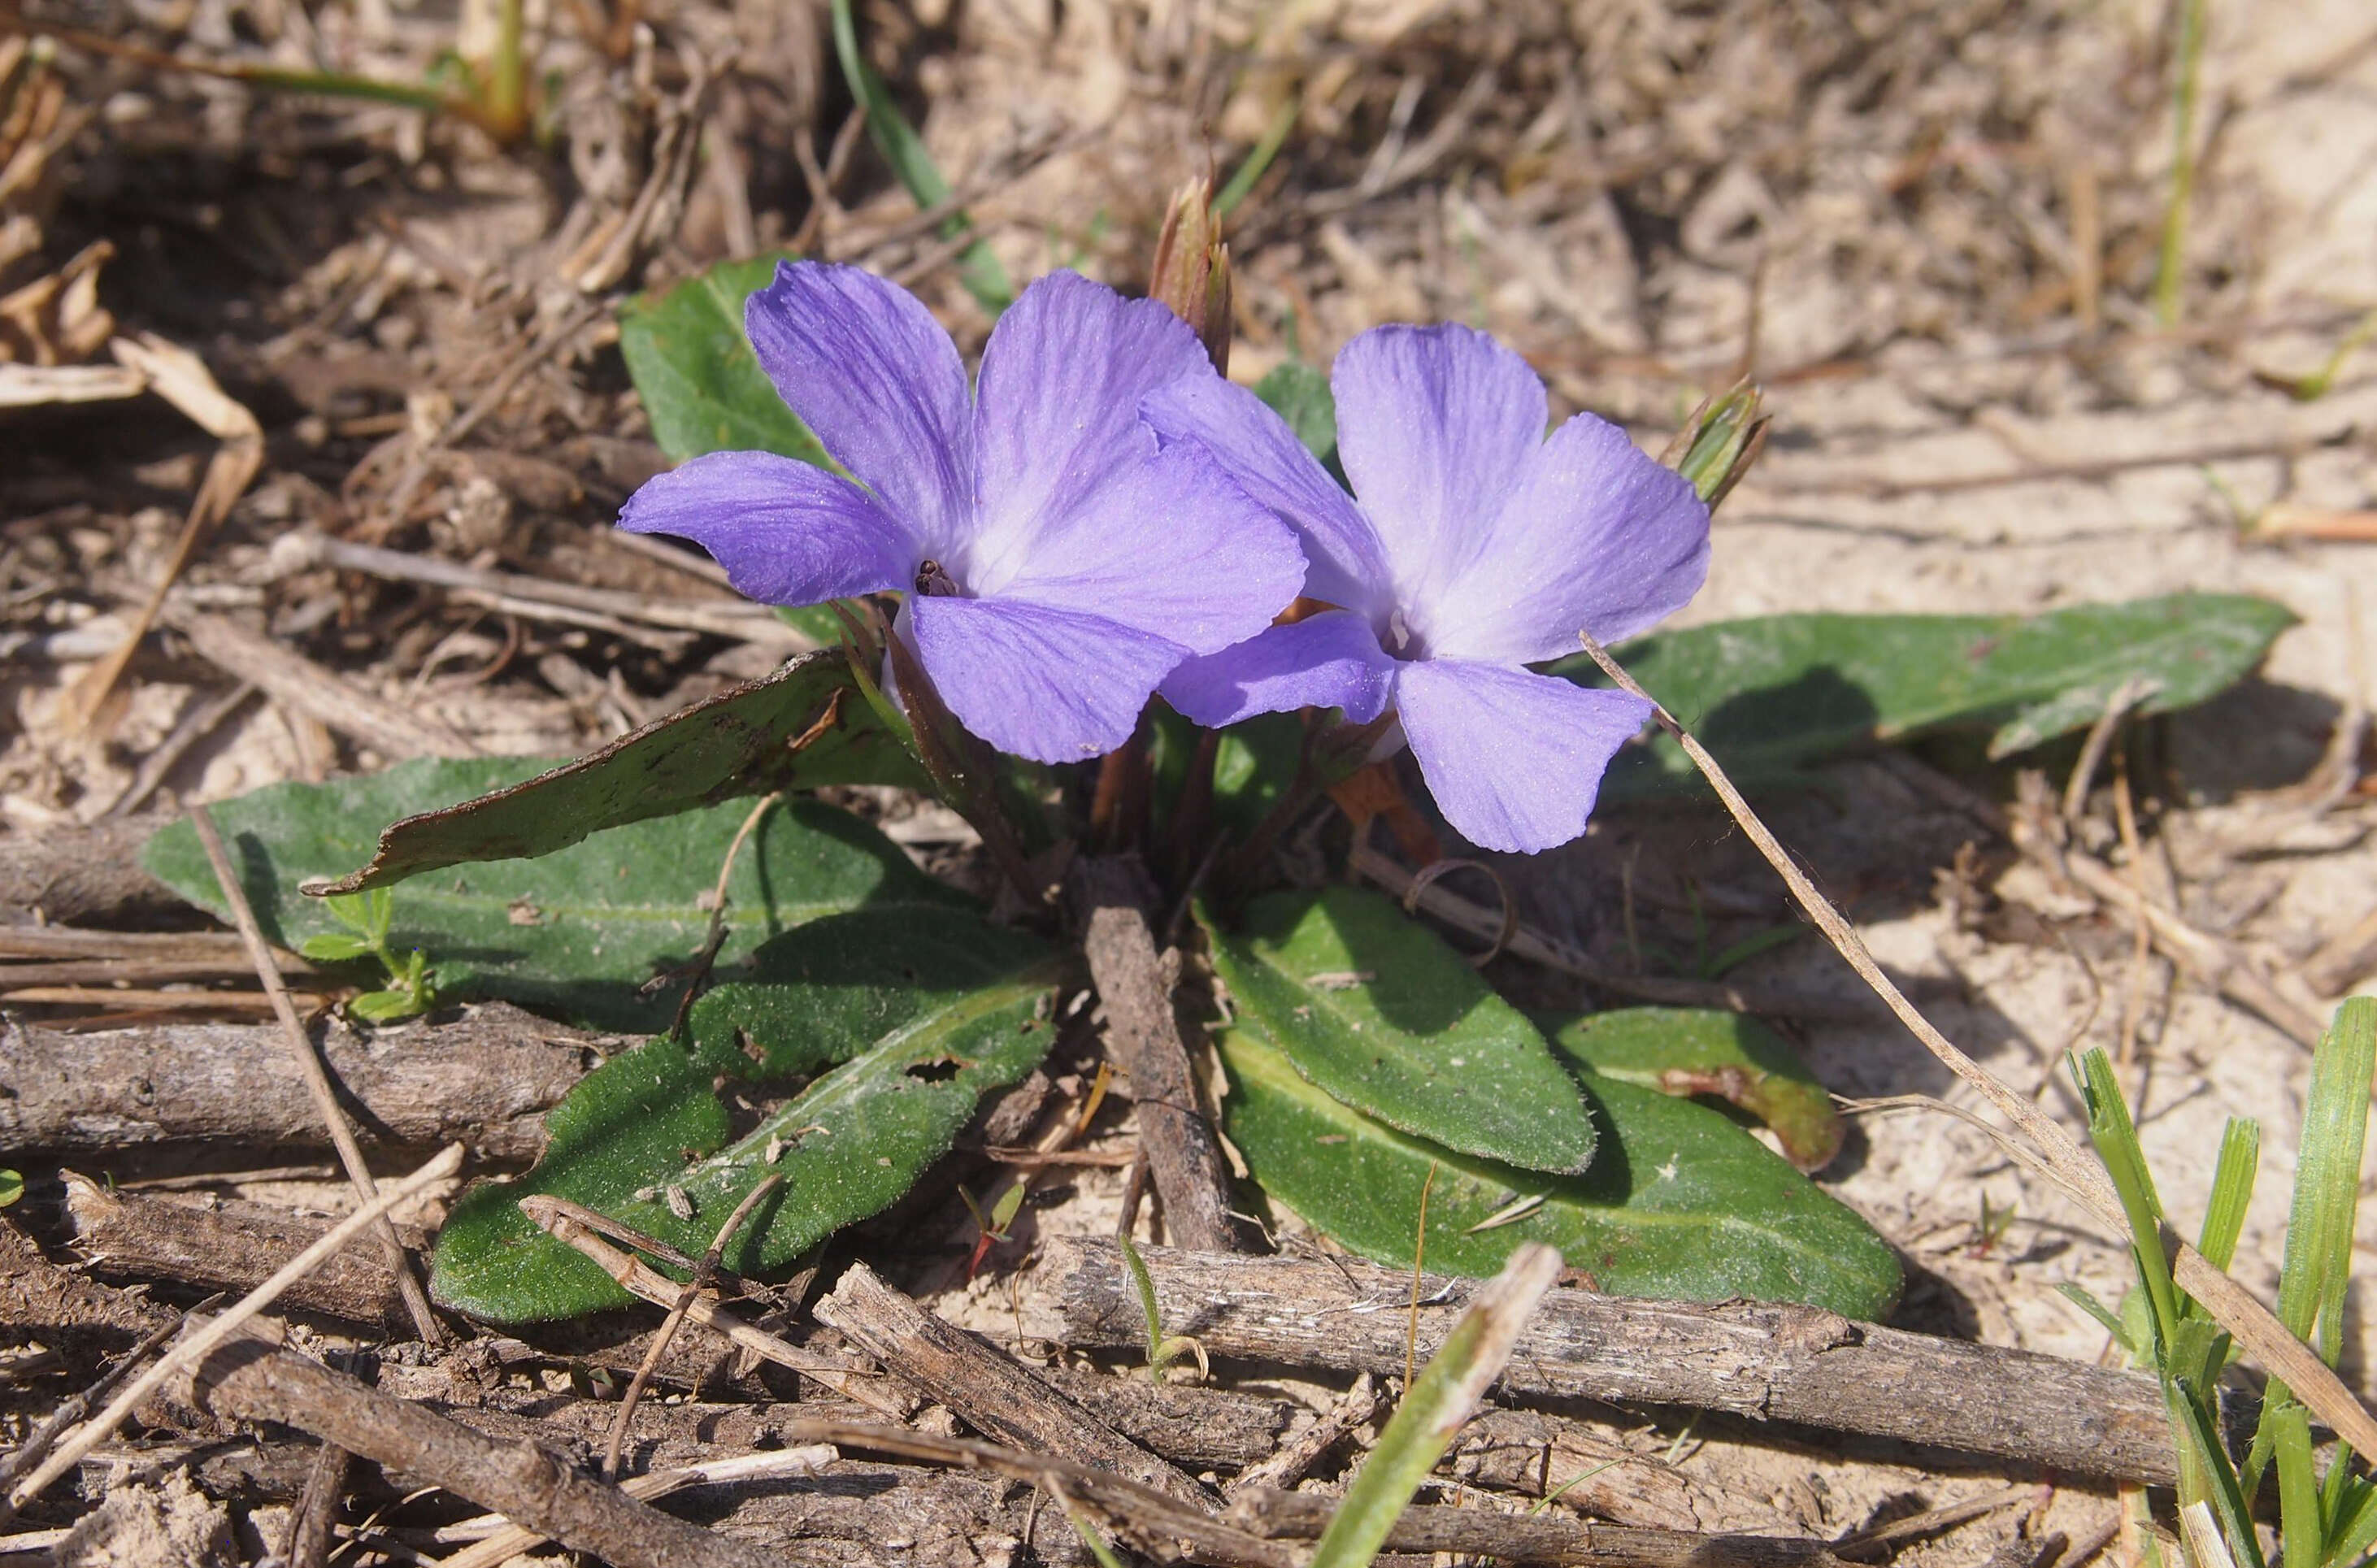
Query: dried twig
(254, 1381)
(1143, 1030)
(309, 1067)
(2256, 1329)
(569, 1223)
(44, 1437)
(704, 1271)
(189, 1351)
(504, 1540)
(1779, 1363)
(990, 1390)
(299, 684)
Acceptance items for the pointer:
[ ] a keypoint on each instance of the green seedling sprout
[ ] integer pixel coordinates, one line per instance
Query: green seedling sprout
(2326, 1521)
(2316, 385)
(1161, 1350)
(412, 987)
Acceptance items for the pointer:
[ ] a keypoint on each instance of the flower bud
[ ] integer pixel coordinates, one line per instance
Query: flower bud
(1719, 442)
(1191, 274)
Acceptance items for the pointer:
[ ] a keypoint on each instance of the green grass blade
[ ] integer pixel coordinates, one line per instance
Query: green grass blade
(2116, 1138)
(2303, 1536)
(2232, 1190)
(1145, 1285)
(2202, 1439)
(1438, 1403)
(1274, 136)
(2327, 1180)
(979, 268)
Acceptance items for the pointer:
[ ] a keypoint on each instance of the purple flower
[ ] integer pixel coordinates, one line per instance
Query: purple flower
(1472, 547)
(1058, 564)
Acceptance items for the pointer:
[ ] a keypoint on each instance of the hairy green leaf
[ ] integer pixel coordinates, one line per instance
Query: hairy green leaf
(1703, 1051)
(1300, 394)
(1377, 1010)
(1681, 1203)
(693, 367)
(863, 1049)
(575, 932)
(805, 725)
(1771, 694)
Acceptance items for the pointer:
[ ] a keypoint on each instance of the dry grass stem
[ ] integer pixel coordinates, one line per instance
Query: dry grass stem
(317, 1079)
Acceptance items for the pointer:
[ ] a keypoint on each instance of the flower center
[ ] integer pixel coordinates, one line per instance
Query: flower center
(934, 582)
(1401, 641)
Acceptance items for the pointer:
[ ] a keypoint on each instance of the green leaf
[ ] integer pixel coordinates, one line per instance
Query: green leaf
(884, 1028)
(806, 724)
(334, 947)
(1377, 1010)
(575, 932)
(12, 1188)
(1434, 1409)
(2232, 1190)
(1679, 1205)
(1301, 395)
(1696, 1051)
(385, 1007)
(895, 139)
(693, 366)
(1771, 694)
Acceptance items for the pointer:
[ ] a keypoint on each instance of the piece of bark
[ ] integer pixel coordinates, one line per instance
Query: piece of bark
(1532, 1537)
(484, 1079)
(86, 875)
(232, 1248)
(1282, 1469)
(41, 1302)
(988, 1389)
(1184, 1156)
(1782, 1363)
(247, 1379)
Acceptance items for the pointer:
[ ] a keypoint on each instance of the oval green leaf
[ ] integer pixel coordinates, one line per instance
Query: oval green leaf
(576, 933)
(1679, 1205)
(1375, 1010)
(1771, 694)
(905, 1020)
(1692, 1052)
(693, 367)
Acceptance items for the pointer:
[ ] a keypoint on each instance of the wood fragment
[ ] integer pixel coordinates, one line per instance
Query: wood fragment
(1781, 1363)
(1282, 1469)
(83, 875)
(232, 1246)
(989, 1390)
(1184, 1156)
(251, 1380)
(484, 1079)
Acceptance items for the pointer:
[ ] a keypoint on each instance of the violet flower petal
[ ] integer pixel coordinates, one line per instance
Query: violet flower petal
(1513, 758)
(1435, 426)
(1053, 685)
(1254, 444)
(1062, 377)
(1596, 537)
(1169, 546)
(1326, 661)
(787, 533)
(867, 368)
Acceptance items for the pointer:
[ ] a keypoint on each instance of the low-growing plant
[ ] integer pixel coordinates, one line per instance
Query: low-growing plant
(2325, 1519)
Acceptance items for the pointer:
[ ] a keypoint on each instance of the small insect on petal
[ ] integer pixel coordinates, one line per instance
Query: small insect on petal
(934, 582)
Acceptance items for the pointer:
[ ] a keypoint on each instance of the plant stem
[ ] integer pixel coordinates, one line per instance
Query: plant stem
(2188, 60)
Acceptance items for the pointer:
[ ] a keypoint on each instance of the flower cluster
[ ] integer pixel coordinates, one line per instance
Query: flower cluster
(1103, 518)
